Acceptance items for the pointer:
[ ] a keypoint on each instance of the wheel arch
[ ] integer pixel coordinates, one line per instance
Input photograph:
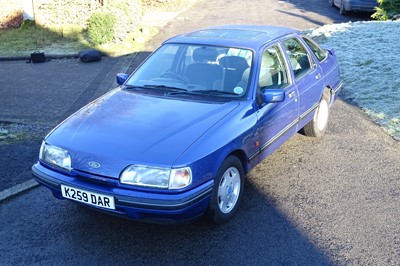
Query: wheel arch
(241, 155)
(328, 89)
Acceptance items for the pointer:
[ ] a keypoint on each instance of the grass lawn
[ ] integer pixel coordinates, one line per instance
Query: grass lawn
(70, 40)
(30, 38)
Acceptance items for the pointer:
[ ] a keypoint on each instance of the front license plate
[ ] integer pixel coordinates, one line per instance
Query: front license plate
(91, 198)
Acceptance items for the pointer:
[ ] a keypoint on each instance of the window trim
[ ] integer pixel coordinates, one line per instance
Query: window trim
(305, 38)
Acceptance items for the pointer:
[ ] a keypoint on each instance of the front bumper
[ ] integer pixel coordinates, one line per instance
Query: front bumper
(136, 205)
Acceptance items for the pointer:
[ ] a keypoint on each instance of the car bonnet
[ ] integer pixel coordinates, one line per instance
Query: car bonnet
(124, 128)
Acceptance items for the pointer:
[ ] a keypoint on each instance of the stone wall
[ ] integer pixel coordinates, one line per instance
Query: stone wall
(58, 13)
(49, 13)
(61, 13)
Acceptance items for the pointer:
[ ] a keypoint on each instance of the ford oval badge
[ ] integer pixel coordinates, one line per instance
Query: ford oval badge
(93, 164)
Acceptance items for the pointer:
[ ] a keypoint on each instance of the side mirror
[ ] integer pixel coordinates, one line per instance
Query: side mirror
(273, 96)
(121, 78)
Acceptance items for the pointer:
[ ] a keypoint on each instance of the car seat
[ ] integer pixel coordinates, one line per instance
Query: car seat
(234, 67)
(205, 71)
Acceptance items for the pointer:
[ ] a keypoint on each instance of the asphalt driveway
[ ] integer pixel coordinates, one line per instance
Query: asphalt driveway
(35, 97)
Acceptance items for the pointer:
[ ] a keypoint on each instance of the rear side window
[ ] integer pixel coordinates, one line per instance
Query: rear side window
(319, 53)
(298, 56)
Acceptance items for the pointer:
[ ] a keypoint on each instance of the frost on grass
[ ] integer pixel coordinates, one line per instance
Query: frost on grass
(327, 31)
(369, 57)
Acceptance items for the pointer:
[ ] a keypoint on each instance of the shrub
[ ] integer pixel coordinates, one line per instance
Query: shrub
(101, 27)
(129, 14)
(386, 9)
(12, 19)
(27, 24)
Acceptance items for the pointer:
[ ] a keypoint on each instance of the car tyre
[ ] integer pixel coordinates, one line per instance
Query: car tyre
(227, 191)
(317, 126)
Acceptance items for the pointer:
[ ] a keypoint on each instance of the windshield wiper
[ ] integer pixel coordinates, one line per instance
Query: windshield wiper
(165, 87)
(133, 87)
(214, 92)
(159, 87)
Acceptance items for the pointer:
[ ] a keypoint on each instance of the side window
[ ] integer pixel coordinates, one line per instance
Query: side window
(298, 57)
(319, 53)
(273, 73)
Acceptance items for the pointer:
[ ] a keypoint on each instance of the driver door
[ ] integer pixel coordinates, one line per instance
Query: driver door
(276, 121)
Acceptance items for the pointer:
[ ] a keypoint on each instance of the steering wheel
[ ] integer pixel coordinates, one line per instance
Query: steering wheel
(174, 75)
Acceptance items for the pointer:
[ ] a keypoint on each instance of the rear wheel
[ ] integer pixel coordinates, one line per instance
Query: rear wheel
(227, 191)
(317, 126)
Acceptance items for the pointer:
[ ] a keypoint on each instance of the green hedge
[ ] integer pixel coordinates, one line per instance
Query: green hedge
(115, 22)
(128, 14)
(386, 9)
(101, 27)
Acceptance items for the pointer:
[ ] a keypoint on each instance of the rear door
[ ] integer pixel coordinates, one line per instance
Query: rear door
(327, 62)
(308, 77)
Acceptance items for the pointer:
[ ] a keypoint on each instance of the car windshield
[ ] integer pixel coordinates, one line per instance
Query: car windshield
(195, 69)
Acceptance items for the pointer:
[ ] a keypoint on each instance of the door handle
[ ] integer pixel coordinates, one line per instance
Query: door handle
(291, 95)
(318, 76)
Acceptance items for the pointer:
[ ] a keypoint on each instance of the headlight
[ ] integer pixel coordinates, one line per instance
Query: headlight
(55, 156)
(156, 177)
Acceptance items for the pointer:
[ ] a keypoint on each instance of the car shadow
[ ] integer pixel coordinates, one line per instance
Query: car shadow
(259, 234)
(58, 232)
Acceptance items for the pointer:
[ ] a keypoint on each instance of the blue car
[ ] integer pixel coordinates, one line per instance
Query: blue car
(176, 139)
(354, 5)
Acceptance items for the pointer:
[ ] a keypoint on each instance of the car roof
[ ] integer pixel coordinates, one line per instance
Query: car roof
(244, 36)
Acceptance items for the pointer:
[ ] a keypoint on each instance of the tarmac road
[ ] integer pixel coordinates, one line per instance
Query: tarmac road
(329, 201)
(36, 97)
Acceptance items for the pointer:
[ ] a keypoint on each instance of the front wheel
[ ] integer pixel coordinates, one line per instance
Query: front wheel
(227, 191)
(317, 126)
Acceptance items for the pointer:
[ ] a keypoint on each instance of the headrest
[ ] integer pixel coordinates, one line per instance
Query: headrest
(245, 75)
(265, 78)
(235, 62)
(267, 60)
(205, 54)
